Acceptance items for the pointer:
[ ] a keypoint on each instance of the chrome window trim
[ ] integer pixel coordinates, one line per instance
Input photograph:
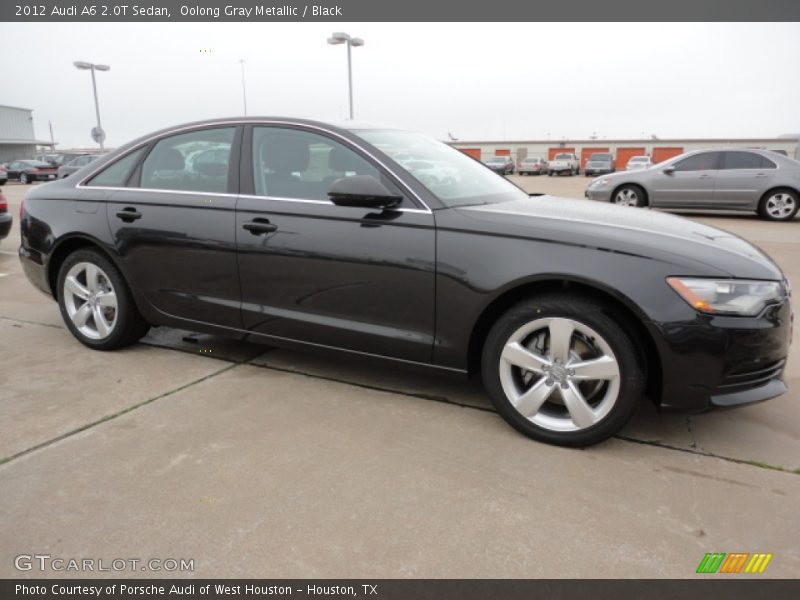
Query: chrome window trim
(345, 141)
(227, 195)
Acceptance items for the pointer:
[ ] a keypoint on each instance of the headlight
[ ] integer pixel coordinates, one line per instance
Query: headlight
(727, 296)
(600, 181)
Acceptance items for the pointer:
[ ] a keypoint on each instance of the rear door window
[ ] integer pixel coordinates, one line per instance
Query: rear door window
(197, 161)
(746, 160)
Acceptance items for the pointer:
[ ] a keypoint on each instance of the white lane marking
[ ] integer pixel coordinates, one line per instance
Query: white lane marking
(4, 274)
(7, 252)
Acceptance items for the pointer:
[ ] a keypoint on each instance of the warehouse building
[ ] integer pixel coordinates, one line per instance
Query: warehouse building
(622, 150)
(17, 139)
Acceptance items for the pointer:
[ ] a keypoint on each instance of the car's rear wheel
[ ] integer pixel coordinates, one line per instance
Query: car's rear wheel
(23, 178)
(629, 195)
(562, 371)
(96, 304)
(779, 205)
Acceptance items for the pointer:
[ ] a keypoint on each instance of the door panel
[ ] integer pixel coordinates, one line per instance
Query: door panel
(690, 185)
(174, 229)
(180, 252)
(742, 180)
(354, 278)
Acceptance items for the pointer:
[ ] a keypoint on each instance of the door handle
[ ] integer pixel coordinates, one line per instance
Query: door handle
(705, 176)
(259, 226)
(129, 214)
(761, 175)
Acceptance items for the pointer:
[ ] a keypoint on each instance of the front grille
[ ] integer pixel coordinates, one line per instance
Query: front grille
(743, 380)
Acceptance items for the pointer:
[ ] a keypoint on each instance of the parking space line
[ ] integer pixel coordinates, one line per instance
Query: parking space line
(63, 436)
(8, 253)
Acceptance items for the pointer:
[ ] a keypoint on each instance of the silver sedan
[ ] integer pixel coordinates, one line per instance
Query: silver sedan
(749, 180)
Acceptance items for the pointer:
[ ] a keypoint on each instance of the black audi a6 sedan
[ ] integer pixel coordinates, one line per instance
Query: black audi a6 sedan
(306, 234)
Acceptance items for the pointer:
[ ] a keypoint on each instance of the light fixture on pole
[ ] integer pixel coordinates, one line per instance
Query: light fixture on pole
(340, 37)
(98, 135)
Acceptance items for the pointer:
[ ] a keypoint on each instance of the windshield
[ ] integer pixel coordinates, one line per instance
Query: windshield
(35, 163)
(496, 159)
(563, 156)
(600, 157)
(452, 176)
(641, 159)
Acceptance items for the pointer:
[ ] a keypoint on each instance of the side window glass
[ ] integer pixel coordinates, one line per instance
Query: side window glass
(706, 161)
(193, 162)
(767, 163)
(288, 163)
(742, 160)
(116, 174)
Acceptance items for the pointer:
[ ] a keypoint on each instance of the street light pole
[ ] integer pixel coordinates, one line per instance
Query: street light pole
(244, 91)
(101, 136)
(352, 42)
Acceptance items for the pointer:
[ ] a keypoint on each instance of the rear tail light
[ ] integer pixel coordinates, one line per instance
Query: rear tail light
(3, 203)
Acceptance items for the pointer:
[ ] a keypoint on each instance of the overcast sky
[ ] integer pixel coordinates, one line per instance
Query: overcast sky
(477, 81)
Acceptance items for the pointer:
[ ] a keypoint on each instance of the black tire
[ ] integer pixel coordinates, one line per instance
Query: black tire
(23, 178)
(549, 173)
(765, 211)
(129, 326)
(589, 314)
(637, 191)
(2, 183)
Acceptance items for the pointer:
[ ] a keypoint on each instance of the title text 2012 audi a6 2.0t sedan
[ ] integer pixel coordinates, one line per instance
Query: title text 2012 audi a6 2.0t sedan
(306, 234)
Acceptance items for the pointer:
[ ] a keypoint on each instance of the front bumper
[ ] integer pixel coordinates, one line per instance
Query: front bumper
(5, 224)
(597, 171)
(601, 194)
(724, 361)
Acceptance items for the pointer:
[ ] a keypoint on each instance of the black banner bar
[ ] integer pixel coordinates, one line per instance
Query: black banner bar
(405, 10)
(717, 586)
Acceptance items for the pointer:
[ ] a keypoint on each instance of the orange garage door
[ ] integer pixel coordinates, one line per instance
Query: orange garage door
(473, 152)
(660, 154)
(625, 154)
(587, 152)
(502, 152)
(551, 153)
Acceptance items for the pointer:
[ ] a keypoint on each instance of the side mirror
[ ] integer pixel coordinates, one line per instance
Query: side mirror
(362, 191)
(668, 170)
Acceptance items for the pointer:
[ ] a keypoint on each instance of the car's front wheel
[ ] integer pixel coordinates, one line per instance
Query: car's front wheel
(23, 178)
(629, 195)
(560, 370)
(96, 304)
(779, 205)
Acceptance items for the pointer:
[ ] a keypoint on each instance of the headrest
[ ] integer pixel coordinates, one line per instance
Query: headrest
(284, 154)
(170, 160)
(342, 160)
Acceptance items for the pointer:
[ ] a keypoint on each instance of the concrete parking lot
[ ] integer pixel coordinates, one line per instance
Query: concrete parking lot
(258, 462)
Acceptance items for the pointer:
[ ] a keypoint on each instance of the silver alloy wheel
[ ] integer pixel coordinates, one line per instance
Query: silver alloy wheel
(780, 205)
(90, 300)
(627, 197)
(560, 374)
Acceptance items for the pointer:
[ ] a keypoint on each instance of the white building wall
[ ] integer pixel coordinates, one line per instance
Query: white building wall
(16, 123)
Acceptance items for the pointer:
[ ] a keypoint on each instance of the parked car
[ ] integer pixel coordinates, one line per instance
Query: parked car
(58, 160)
(76, 164)
(500, 164)
(571, 310)
(532, 166)
(28, 171)
(748, 180)
(564, 162)
(5, 217)
(3, 175)
(639, 162)
(599, 163)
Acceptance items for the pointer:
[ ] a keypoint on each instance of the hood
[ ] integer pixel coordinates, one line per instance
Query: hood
(701, 249)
